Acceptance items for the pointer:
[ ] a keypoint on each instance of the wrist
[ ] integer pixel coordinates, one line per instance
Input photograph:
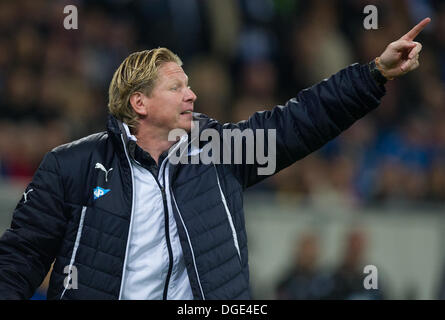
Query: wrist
(377, 73)
(382, 69)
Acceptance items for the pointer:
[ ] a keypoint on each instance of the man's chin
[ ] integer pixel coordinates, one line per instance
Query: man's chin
(188, 126)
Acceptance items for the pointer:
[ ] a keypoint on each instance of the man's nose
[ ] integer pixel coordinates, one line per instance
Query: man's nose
(190, 96)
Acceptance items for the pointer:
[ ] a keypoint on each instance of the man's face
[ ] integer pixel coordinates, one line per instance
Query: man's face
(170, 104)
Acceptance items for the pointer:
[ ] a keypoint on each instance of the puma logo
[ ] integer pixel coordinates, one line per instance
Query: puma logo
(25, 194)
(101, 167)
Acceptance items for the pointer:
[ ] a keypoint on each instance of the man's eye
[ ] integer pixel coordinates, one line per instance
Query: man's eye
(174, 88)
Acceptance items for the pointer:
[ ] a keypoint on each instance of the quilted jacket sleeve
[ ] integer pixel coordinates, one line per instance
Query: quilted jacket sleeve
(29, 246)
(308, 121)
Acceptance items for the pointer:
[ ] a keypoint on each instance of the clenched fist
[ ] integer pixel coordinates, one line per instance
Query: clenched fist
(401, 56)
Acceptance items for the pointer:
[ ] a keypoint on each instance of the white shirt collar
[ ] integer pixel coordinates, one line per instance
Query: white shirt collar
(127, 131)
(183, 139)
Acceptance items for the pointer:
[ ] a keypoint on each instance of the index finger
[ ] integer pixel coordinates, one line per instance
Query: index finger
(412, 34)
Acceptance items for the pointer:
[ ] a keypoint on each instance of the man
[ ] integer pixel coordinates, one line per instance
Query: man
(122, 221)
(348, 278)
(305, 280)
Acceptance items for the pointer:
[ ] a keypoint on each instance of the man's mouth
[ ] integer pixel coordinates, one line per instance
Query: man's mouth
(187, 112)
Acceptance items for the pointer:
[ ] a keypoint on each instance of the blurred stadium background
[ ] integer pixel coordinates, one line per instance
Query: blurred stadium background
(375, 195)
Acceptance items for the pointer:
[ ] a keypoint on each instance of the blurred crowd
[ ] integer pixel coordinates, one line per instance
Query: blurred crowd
(306, 280)
(241, 56)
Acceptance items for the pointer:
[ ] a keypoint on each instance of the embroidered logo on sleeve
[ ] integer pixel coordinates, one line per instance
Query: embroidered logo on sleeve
(25, 195)
(99, 192)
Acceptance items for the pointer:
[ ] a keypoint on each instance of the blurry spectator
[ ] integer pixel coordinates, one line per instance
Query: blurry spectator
(348, 278)
(212, 84)
(258, 80)
(318, 45)
(225, 23)
(305, 281)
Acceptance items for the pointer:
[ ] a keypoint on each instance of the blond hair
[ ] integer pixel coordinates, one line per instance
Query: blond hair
(137, 73)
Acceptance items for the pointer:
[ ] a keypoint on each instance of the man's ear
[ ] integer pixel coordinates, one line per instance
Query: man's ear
(139, 103)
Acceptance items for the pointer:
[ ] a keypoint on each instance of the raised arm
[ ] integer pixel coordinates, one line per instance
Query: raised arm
(320, 113)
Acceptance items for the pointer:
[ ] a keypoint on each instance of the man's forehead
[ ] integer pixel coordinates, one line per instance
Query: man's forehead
(172, 70)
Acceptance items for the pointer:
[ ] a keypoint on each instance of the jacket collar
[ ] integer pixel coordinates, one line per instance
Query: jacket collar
(116, 127)
(119, 132)
(121, 137)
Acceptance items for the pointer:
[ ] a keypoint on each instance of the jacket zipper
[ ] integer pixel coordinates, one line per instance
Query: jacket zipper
(162, 170)
(76, 246)
(167, 238)
(131, 217)
(166, 229)
(166, 226)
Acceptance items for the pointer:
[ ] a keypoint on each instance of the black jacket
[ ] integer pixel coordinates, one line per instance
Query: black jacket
(46, 226)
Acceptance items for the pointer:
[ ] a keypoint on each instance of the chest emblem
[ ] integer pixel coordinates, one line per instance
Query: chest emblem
(99, 192)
